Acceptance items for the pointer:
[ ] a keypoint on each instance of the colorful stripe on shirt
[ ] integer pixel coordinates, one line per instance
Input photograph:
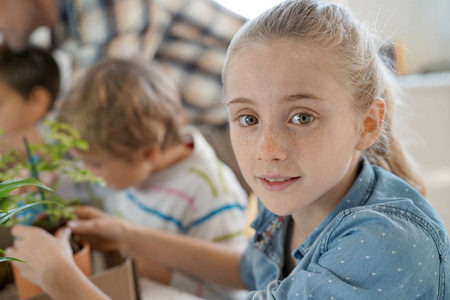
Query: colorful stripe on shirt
(182, 227)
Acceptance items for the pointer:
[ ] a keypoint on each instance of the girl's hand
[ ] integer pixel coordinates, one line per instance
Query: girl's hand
(46, 257)
(103, 231)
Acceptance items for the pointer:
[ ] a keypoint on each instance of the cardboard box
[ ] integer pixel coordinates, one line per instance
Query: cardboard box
(113, 273)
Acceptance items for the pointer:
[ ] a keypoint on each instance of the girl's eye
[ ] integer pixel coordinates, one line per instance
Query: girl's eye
(248, 120)
(302, 118)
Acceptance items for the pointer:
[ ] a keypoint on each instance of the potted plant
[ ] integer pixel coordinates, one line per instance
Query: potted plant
(25, 288)
(7, 187)
(44, 208)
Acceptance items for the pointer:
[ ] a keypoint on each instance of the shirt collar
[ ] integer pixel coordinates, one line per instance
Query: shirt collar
(358, 195)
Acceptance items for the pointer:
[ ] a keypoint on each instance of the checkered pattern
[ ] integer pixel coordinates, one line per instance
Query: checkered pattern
(188, 38)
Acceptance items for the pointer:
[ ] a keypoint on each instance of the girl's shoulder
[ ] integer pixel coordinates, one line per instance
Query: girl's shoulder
(385, 211)
(396, 226)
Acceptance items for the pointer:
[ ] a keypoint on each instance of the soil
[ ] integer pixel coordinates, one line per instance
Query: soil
(75, 241)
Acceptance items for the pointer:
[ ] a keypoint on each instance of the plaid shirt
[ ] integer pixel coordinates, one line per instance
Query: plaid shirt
(188, 38)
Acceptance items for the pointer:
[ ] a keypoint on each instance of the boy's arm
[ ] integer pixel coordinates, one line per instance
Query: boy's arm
(150, 268)
(202, 259)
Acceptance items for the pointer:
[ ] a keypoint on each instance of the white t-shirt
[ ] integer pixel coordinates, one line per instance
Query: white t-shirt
(199, 197)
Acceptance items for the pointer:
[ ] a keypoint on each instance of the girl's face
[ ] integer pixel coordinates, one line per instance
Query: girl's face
(293, 129)
(15, 110)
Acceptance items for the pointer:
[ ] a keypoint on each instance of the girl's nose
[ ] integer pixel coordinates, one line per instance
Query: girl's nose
(271, 146)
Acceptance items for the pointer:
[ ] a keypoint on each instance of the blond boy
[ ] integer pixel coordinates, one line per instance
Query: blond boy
(165, 175)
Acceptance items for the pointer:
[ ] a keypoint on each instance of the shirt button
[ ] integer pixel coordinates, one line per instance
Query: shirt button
(259, 237)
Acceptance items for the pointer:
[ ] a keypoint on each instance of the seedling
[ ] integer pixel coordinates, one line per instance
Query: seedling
(6, 188)
(46, 158)
(44, 208)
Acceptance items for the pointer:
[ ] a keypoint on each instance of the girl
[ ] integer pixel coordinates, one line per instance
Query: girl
(311, 122)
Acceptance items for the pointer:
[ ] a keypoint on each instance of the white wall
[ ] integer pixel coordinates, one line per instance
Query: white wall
(423, 25)
(426, 120)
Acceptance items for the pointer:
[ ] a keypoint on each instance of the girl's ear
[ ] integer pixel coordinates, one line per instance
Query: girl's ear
(152, 154)
(40, 99)
(373, 123)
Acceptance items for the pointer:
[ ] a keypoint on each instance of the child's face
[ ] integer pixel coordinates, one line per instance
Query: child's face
(15, 114)
(118, 174)
(292, 128)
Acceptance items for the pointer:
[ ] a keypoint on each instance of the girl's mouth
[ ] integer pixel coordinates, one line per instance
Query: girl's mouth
(277, 184)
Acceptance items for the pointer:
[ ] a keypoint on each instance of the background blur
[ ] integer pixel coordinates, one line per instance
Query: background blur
(421, 30)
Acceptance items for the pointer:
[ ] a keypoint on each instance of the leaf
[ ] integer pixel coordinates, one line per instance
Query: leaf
(7, 187)
(5, 259)
(7, 216)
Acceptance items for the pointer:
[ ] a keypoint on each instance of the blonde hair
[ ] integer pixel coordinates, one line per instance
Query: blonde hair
(330, 33)
(122, 105)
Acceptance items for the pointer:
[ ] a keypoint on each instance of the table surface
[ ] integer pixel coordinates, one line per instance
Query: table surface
(150, 290)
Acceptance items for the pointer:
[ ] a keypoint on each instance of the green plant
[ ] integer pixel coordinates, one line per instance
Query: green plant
(6, 188)
(44, 207)
(50, 158)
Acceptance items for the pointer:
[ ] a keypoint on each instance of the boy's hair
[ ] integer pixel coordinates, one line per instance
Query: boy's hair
(30, 68)
(329, 32)
(122, 105)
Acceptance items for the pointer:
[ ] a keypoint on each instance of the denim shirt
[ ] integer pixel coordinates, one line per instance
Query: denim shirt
(382, 241)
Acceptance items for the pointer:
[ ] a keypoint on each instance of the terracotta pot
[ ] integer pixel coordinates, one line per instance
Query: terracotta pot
(26, 289)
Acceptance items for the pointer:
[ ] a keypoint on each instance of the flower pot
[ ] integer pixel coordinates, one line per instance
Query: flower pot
(26, 289)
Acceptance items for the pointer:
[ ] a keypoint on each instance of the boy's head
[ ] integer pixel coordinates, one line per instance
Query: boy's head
(127, 112)
(29, 86)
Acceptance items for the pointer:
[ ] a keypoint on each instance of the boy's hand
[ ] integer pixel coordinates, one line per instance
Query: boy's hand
(45, 255)
(103, 231)
(47, 178)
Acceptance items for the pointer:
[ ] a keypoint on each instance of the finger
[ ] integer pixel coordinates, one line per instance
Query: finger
(23, 231)
(63, 234)
(84, 227)
(14, 253)
(88, 212)
(24, 173)
(18, 231)
(23, 189)
(16, 192)
(10, 252)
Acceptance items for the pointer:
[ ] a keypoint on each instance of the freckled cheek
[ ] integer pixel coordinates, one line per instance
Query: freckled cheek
(310, 144)
(325, 147)
(243, 145)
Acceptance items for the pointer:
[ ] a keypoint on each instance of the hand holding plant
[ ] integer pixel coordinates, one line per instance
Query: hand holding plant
(41, 267)
(5, 189)
(103, 231)
(49, 159)
(50, 209)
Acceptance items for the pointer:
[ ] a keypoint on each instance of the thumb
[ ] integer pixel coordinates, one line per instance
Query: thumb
(63, 234)
(83, 227)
